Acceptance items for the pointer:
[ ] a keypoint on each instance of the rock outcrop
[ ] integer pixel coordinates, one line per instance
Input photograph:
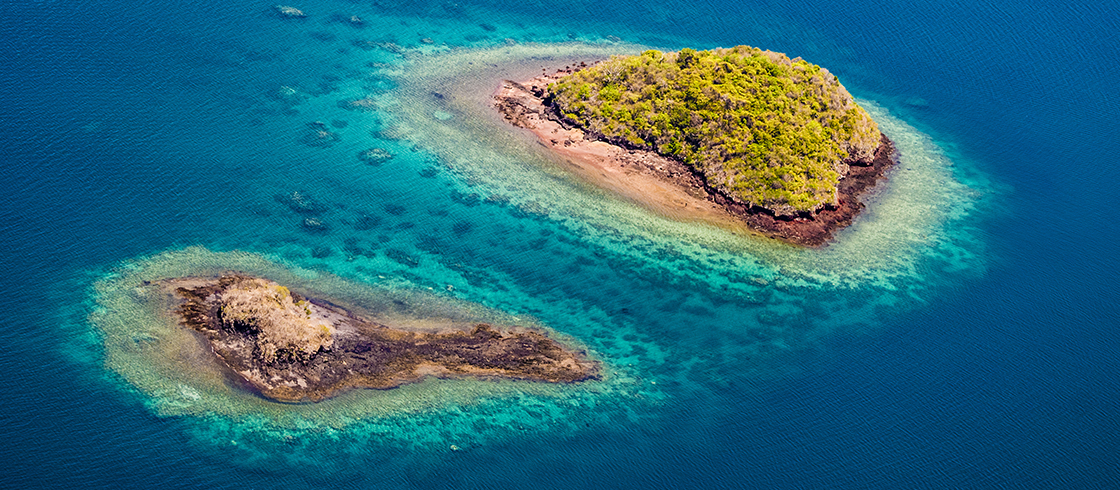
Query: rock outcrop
(291, 348)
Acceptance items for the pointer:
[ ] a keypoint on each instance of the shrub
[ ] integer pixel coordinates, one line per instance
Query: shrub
(284, 328)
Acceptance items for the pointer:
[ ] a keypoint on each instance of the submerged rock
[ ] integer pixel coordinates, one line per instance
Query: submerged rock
(366, 222)
(370, 45)
(375, 156)
(389, 133)
(364, 44)
(301, 203)
(364, 104)
(291, 348)
(289, 95)
(319, 135)
(314, 225)
(350, 20)
(289, 12)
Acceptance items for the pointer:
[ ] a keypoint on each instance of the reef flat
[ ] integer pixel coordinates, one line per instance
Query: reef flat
(657, 129)
(291, 348)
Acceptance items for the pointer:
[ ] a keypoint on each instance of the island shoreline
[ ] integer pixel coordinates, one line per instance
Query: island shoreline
(671, 187)
(359, 352)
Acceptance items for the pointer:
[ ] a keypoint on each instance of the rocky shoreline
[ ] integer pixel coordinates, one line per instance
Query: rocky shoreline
(670, 186)
(289, 348)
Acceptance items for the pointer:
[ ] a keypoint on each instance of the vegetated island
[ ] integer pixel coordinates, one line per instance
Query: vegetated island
(290, 348)
(777, 142)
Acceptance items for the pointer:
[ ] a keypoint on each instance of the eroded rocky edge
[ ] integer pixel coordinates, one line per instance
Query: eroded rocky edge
(290, 348)
(526, 105)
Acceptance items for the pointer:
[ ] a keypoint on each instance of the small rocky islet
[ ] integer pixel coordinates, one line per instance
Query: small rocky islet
(291, 348)
(777, 143)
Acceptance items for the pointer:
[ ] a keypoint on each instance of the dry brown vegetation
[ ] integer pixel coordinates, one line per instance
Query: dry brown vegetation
(284, 327)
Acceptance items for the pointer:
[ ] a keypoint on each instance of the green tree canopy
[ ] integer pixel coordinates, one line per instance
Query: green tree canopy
(762, 128)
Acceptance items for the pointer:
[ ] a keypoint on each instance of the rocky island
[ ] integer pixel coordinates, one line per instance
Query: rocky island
(777, 143)
(291, 348)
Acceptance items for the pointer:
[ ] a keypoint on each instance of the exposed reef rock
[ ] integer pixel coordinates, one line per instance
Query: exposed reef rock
(290, 348)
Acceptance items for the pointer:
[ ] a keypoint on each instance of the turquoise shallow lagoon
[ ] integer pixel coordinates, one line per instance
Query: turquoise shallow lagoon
(961, 333)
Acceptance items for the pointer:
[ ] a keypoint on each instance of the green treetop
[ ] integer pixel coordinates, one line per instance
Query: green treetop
(762, 128)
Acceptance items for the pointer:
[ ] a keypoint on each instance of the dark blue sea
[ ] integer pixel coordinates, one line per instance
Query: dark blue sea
(963, 333)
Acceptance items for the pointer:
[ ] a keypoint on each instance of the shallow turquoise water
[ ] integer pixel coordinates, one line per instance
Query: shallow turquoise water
(961, 333)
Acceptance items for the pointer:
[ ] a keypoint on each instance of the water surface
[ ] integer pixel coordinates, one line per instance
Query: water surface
(960, 334)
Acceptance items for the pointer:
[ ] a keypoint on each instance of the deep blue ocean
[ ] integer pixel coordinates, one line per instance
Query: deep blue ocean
(962, 334)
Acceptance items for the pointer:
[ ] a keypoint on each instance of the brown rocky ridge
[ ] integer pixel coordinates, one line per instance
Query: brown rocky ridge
(669, 186)
(290, 348)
